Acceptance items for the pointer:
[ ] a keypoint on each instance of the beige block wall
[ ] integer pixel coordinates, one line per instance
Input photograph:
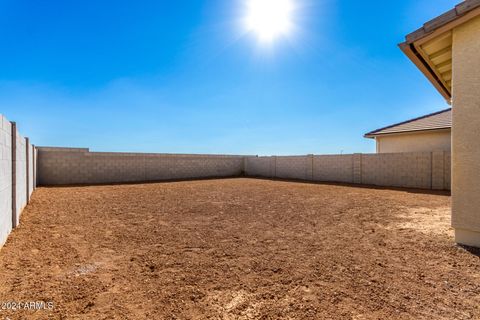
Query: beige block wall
(21, 175)
(5, 179)
(260, 167)
(466, 133)
(333, 168)
(79, 166)
(424, 170)
(31, 165)
(13, 176)
(415, 142)
(410, 170)
(35, 169)
(448, 171)
(294, 167)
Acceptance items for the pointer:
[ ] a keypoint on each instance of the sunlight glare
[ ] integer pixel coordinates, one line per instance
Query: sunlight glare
(269, 19)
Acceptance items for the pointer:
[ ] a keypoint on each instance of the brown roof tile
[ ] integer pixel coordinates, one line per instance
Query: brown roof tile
(449, 16)
(433, 121)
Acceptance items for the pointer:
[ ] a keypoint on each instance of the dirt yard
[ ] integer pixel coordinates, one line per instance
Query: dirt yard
(238, 249)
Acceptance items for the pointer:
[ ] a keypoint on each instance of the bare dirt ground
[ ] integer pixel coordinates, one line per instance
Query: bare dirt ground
(238, 249)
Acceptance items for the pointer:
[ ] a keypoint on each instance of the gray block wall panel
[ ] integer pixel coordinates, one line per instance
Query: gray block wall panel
(438, 170)
(259, 167)
(35, 167)
(13, 176)
(5, 179)
(31, 165)
(333, 168)
(79, 166)
(21, 175)
(408, 170)
(423, 170)
(448, 171)
(295, 167)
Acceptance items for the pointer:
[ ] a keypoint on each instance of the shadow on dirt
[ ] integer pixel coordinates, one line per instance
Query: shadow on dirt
(409, 190)
(472, 250)
(365, 186)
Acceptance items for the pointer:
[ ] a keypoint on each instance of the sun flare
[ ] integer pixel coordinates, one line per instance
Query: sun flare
(269, 19)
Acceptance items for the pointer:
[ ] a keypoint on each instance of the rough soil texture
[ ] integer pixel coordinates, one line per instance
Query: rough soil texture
(238, 249)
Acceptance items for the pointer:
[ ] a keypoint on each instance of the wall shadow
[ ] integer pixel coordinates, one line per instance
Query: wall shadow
(137, 182)
(472, 250)
(409, 190)
(364, 186)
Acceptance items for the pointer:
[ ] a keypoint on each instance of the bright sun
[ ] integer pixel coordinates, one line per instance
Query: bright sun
(269, 19)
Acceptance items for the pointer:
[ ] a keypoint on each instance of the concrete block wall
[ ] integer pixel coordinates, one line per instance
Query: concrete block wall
(63, 166)
(357, 168)
(35, 168)
(5, 179)
(448, 171)
(333, 168)
(294, 167)
(409, 170)
(21, 175)
(423, 170)
(31, 168)
(260, 166)
(17, 165)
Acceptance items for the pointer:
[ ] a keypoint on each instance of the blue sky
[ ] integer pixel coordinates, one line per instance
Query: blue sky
(183, 76)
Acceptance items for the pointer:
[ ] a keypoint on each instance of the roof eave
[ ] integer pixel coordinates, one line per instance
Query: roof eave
(373, 136)
(462, 13)
(424, 67)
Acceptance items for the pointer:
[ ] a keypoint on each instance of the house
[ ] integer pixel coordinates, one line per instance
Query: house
(428, 133)
(447, 51)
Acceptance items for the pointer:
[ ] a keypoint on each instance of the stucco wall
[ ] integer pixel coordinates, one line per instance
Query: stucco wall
(466, 133)
(79, 166)
(415, 142)
(5, 179)
(424, 170)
